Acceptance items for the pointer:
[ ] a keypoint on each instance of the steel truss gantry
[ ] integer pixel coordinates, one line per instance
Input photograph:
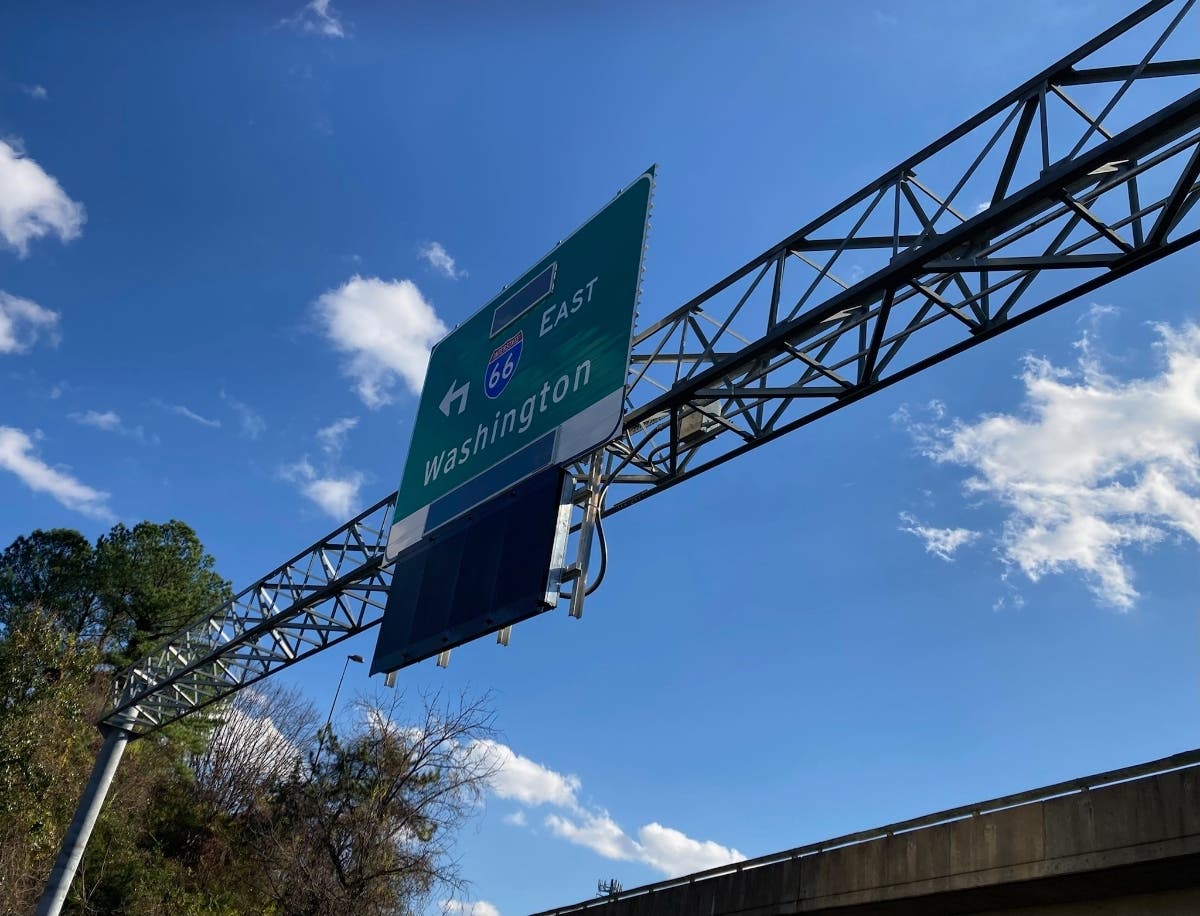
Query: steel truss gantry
(1086, 173)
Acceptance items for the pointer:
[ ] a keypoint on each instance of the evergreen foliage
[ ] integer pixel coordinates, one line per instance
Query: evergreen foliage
(248, 808)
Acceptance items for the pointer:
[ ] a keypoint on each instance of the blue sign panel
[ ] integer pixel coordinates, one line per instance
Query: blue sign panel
(483, 571)
(524, 299)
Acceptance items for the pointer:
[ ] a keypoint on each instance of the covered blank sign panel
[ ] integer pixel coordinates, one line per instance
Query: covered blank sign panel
(483, 571)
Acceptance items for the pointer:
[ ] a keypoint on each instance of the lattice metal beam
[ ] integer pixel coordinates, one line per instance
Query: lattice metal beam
(1029, 204)
(329, 592)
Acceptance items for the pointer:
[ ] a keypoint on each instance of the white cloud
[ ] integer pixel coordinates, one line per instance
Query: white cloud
(941, 542)
(337, 496)
(23, 322)
(17, 454)
(516, 818)
(439, 259)
(663, 848)
(335, 493)
(1095, 313)
(386, 328)
(1015, 601)
(530, 783)
(1090, 467)
(249, 420)
(674, 853)
(477, 908)
(598, 832)
(333, 436)
(36, 91)
(109, 421)
(317, 17)
(185, 411)
(32, 203)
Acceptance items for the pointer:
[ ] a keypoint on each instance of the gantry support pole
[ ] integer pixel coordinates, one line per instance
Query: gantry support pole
(76, 838)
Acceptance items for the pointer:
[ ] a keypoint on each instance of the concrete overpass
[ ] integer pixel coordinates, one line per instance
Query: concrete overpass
(1123, 842)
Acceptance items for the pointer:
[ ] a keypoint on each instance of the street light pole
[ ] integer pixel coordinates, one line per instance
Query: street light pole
(333, 705)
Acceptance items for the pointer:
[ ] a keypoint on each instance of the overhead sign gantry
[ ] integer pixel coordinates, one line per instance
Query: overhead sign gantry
(1075, 196)
(1080, 195)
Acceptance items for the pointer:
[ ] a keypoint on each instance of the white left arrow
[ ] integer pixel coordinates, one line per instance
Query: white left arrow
(455, 394)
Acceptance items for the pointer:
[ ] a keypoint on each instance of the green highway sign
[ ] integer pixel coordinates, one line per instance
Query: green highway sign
(533, 379)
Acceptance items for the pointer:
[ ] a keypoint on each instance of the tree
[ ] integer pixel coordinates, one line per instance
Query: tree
(150, 581)
(245, 808)
(130, 591)
(69, 613)
(54, 571)
(47, 743)
(258, 740)
(369, 827)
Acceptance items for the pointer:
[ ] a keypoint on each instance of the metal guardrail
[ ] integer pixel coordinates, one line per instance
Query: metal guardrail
(1057, 790)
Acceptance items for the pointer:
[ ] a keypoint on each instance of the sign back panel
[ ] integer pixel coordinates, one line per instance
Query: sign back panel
(534, 379)
(483, 571)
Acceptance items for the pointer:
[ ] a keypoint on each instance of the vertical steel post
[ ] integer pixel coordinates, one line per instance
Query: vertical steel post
(80, 830)
(591, 514)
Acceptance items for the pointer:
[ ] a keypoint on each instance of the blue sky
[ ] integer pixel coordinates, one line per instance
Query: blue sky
(214, 219)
